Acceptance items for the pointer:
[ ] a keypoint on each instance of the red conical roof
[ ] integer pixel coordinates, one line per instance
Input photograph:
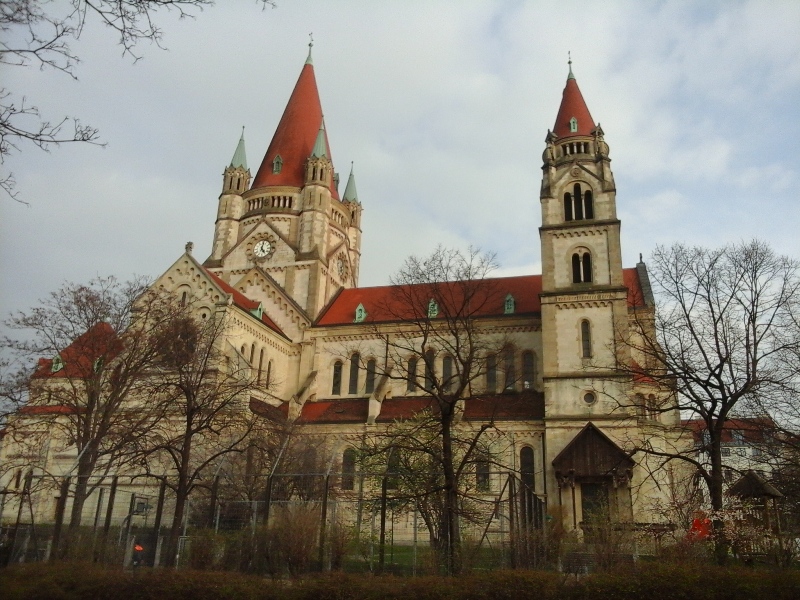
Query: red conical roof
(573, 105)
(295, 136)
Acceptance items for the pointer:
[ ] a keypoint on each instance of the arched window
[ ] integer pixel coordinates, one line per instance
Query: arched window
(588, 205)
(369, 385)
(269, 373)
(482, 474)
(352, 388)
(411, 379)
(578, 205)
(573, 125)
(586, 339)
(183, 298)
(277, 164)
(576, 196)
(528, 370)
(348, 469)
(526, 466)
(336, 388)
(491, 373)
(587, 267)
(429, 358)
(447, 373)
(260, 363)
(582, 267)
(510, 371)
(252, 353)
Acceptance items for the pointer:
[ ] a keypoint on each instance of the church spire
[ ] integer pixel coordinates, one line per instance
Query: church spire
(240, 157)
(573, 114)
(350, 193)
(295, 138)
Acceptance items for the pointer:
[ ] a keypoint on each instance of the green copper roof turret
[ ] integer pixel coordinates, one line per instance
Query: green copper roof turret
(350, 193)
(320, 147)
(239, 157)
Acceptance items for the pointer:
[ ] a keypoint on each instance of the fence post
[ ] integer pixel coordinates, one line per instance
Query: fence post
(59, 522)
(267, 500)
(323, 523)
(382, 541)
(162, 490)
(26, 491)
(212, 509)
(109, 512)
(512, 521)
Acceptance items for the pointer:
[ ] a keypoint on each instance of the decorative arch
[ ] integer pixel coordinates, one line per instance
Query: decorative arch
(579, 203)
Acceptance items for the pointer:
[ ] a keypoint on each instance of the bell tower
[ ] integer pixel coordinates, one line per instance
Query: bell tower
(584, 298)
(584, 303)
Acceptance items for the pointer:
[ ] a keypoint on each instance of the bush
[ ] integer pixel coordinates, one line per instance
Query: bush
(66, 581)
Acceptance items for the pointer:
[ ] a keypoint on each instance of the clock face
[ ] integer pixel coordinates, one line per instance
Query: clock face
(262, 248)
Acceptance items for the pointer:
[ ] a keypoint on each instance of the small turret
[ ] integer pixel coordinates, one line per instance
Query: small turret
(237, 176)
(319, 169)
(235, 180)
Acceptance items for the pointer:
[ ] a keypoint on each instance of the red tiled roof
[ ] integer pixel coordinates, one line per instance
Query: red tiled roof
(755, 429)
(630, 277)
(59, 409)
(397, 303)
(101, 341)
(503, 407)
(573, 105)
(279, 414)
(295, 136)
(393, 409)
(640, 375)
(506, 407)
(243, 302)
(335, 411)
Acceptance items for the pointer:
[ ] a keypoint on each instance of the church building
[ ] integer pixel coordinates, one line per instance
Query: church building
(284, 271)
(285, 258)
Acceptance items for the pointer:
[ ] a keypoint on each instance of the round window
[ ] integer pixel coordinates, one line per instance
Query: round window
(589, 397)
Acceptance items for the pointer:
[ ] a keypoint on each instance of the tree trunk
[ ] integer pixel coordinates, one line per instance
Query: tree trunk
(181, 496)
(450, 508)
(717, 500)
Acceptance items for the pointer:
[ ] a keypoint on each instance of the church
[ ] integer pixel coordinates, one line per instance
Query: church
(285, 264)
(342, 362)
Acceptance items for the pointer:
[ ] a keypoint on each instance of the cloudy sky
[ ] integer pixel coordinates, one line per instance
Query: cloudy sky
(442, 106)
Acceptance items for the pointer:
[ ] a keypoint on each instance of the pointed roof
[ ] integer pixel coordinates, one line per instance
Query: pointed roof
(350, 193)
(295, 136)
(321, 143)
(239, 157)
(591, 453)
(573, 105)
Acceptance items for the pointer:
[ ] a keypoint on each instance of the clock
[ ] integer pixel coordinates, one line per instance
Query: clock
(262, 248)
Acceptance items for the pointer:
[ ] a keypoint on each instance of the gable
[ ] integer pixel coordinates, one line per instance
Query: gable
(591, 453)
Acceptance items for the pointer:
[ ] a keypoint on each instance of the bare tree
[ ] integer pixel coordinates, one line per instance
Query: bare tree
(721, 343)
(39, 33)
(205, 384)
(444, 304)
(95, 345)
